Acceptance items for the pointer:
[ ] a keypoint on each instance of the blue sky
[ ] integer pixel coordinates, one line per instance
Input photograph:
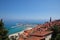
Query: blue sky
(29, 9)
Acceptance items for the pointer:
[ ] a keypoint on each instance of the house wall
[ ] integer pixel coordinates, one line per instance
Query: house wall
(16, 34)
(48, 37)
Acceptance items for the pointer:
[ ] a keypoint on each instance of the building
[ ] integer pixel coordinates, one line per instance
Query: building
(40, 32)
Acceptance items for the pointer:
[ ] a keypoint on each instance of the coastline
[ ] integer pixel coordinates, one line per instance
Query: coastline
(18, 33)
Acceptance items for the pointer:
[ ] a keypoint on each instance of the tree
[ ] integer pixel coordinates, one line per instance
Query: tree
(56, 30)
(57, 37)
(3, 31)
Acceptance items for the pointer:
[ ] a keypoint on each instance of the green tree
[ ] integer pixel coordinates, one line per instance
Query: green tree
(3, 31)
(57, 37)
(56, 30)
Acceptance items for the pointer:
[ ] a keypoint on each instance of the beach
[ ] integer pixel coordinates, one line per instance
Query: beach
(18, 33)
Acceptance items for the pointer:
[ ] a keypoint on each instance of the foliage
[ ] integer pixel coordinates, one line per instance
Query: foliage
(56, 31)
(57, 37)
(3, 31)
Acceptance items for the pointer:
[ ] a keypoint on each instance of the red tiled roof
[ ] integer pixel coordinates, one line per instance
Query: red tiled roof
(43, 33)
(35, 38)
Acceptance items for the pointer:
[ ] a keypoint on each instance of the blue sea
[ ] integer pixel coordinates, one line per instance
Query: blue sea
(9, 24)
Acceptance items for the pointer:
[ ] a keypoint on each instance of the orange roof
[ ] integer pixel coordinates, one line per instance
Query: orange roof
(40, 31)
(35, 38)
(43, 33)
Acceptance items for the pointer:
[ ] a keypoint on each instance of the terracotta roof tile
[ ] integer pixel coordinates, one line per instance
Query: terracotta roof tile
(40, 31)
(43, 33)
(35, 38)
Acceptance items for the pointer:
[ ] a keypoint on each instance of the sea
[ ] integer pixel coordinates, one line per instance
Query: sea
(13, 28)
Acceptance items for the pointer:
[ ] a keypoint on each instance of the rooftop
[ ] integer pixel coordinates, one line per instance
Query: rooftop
(39, 32)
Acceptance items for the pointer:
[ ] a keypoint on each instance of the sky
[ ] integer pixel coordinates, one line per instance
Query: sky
(29, 9)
